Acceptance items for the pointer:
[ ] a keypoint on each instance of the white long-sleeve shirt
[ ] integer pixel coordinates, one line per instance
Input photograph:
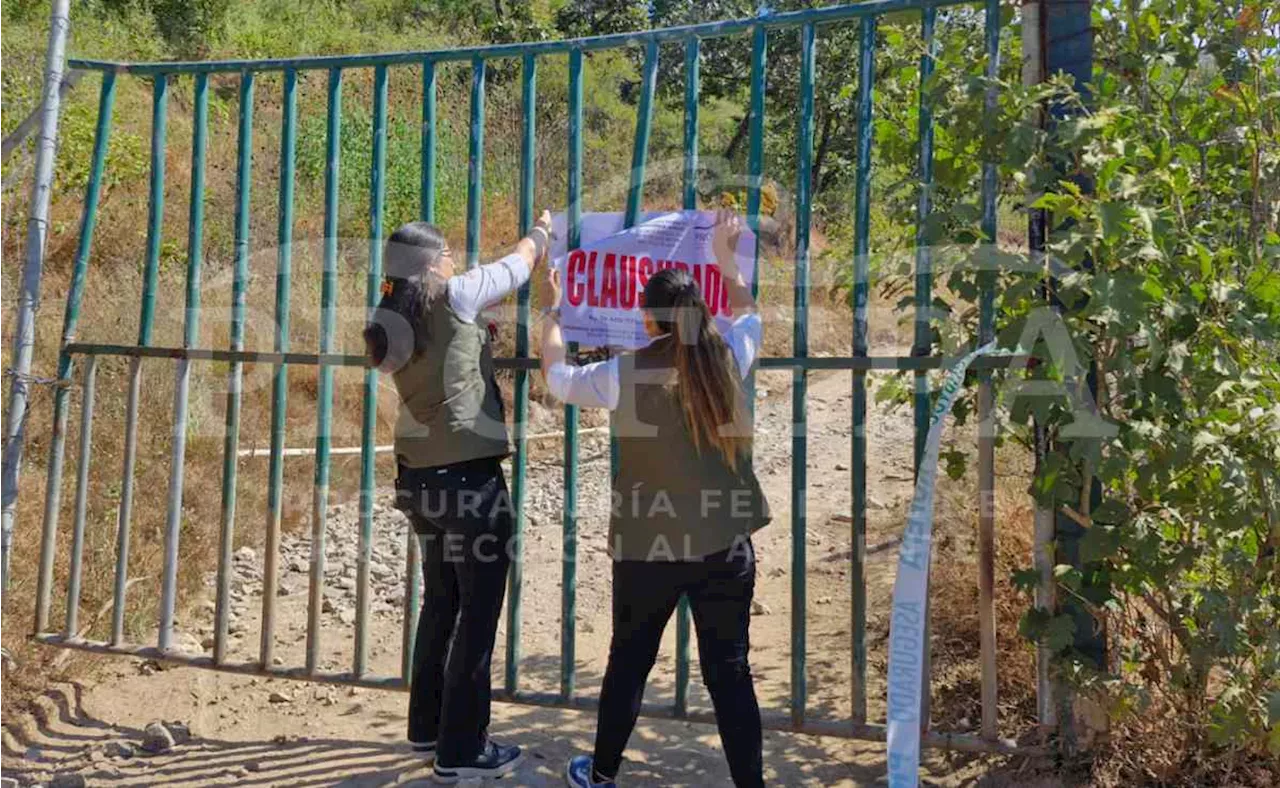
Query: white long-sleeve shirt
(596, 385)
(472, 292)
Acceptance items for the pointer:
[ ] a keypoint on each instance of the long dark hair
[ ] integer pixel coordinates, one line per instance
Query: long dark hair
(409, 288)
(707, 385)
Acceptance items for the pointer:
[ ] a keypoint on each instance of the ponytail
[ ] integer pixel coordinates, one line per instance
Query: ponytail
(707, 383)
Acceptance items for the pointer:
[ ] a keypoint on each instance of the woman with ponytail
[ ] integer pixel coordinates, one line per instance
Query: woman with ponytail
(685, 501)
(450, 437)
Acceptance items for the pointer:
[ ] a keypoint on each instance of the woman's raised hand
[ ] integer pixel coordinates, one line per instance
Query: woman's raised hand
(549, 288)
(724, 241)
(540, 236)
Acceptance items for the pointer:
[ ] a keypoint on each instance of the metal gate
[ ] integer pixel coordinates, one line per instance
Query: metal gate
(920, 361)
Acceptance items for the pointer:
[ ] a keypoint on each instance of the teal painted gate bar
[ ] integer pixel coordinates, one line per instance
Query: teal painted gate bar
(809, 25)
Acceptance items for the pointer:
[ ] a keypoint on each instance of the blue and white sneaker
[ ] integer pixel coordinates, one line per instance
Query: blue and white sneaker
(424, 750)
(495, 760)
(579, 774)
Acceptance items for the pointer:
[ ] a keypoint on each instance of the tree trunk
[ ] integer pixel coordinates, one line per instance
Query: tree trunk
(816, 183)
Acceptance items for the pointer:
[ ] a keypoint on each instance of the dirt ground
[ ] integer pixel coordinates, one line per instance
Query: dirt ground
(257, 731)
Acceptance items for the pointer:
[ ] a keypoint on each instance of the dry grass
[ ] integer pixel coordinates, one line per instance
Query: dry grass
(954, 596)
(110, 314)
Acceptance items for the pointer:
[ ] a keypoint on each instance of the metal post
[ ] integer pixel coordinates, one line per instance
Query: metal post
(755, 151)
(190, 337)
(428, 194)
(369, 423)
(800, 375)
(53, 488)
(861, 292)
(640, 146)
(635, 188)
(413, 561)
(528, 151)
(569, 548)
(1042, 549)
(324, 398)
(1067, 33)
(475, 163)
(923, 343)
(75, 570)
(155, 220)
(235, 375)
(24, 334)
(692, 88)
(986, 399)
(280, 379)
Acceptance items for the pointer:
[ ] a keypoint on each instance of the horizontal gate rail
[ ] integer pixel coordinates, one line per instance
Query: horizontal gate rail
(705, 30)
(866, 363)
(921, 360)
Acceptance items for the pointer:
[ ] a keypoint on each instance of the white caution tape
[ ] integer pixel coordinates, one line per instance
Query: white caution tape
(910, 594)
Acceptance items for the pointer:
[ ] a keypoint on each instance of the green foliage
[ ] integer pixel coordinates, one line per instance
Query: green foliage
(601, 17)
(190, 27)
(1167, 275)
(1168, 268)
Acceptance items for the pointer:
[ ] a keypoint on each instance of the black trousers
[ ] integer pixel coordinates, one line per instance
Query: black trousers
(462, 515)
(719, 588)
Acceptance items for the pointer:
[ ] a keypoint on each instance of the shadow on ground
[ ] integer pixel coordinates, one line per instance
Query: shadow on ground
(59, 742)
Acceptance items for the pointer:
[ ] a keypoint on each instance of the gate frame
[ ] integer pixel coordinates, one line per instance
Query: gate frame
(800, 363)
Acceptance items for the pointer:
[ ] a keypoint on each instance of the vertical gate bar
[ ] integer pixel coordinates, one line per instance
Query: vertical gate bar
(799, 375)
(155, 221)
(635, 188)
(986, 411)
(861, 292)
(1044, 525)
(755, 153)
(755, 180)
(235, 377)
(475, 162)
(692, 87)
(428, 195)
(644, 123)
(413, 564)
(190, 337)
(412, 593)
(280, 379)
(369, 420)
(324, 393)
(569, 550)
(528, 150)
(75, 570)
(923, 344)
(75, 292)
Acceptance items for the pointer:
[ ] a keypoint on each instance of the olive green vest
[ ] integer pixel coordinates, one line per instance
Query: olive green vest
(670, 501)
(450, 407)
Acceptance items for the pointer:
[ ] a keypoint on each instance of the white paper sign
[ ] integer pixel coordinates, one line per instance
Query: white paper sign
(603, 279)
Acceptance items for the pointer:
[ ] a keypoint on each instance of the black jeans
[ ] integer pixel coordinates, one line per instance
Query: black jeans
(462, 515)
(645, 593)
